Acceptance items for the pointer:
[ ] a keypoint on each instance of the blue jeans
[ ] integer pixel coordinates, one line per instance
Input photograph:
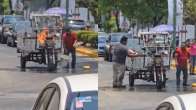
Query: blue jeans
(178, 74)
(73, 55)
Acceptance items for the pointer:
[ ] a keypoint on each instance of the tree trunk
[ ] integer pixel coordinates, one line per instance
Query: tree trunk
(117, 21)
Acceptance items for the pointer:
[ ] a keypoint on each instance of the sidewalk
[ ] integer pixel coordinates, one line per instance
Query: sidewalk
(92, 53)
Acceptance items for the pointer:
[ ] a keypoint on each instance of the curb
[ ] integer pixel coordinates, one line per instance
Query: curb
(87, 52)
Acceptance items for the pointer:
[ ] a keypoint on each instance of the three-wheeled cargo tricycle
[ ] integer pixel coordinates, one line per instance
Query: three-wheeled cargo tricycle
(152, 63)
(42, 43)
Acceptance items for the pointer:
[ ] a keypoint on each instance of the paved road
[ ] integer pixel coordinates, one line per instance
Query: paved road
(18, 90)
(143, 96)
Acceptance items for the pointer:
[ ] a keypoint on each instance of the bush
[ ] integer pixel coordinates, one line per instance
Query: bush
(88, 37)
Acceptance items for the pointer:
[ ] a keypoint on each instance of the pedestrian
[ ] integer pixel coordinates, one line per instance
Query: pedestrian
(120, 52)
(182, 57)
(193, 56)
(69, 44)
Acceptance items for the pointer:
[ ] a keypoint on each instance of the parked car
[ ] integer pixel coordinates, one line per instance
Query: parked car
(18, 28)
(8, 22)
(76, 24)
(77, 92)
(178, 102)
(102, 36)
(1, 24)
(113, 39)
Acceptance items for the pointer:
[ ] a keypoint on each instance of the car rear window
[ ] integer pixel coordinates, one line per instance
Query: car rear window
(12, 19)
(85, 101)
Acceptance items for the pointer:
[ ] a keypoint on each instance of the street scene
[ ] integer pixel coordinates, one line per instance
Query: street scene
(146, 55)
(48, 53)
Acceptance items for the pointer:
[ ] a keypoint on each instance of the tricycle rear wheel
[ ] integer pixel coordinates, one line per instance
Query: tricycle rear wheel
(52, 60)
(23, 62)
(131, 80)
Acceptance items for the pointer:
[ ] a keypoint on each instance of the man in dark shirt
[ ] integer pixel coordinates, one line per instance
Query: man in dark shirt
(120, 52)
(69, 41)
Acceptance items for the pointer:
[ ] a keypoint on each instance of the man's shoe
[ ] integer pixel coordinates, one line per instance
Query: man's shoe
(115, 86)
(186, 85)
(121, 86)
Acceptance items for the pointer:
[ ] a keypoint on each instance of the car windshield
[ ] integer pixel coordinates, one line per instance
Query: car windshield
(23, 27)
(101, 40)
(116, 37)
(134, 44)
(85, 101)
(12, 19)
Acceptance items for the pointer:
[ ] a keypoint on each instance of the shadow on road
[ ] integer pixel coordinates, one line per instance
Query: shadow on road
(150, 88)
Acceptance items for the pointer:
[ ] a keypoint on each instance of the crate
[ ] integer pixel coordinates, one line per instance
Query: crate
(27, 44)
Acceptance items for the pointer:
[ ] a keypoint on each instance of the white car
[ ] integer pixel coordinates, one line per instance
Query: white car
(179, 102)
(77, 92)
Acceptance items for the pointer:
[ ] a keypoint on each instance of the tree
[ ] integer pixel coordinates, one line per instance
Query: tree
(190, 12)
(92, 5)
(6, 6)
(110, 10)
(145, 11)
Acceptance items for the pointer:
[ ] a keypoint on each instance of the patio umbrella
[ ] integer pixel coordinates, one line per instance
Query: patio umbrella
(163, 28)
(56, 10)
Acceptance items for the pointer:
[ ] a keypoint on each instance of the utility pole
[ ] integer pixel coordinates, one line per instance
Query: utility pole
(67, 13)
(174, 24)
(67, 9)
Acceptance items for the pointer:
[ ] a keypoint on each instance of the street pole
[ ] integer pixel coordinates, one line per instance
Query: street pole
(67, 13)
(174, 24)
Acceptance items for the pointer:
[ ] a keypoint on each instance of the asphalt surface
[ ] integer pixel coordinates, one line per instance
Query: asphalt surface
(143, 96)
(19, 90)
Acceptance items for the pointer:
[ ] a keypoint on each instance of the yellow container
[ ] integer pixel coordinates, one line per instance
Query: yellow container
(193, 84)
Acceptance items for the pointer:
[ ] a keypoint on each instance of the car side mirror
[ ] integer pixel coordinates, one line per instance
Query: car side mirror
(35, 31)
(144, 49)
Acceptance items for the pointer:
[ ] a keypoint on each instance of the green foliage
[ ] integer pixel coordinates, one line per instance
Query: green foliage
(6, 6)
(110, 25)
(88, 37)
(190, 11)
(144, 11)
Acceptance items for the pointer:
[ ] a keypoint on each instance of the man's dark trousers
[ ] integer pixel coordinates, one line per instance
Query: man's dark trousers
(73, 55)
(185, 75)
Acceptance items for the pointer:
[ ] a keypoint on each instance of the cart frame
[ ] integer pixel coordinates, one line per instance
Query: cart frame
(154, 70)
(47, 54)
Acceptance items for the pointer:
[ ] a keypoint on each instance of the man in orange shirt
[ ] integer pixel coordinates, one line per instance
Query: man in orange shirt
(42, 36)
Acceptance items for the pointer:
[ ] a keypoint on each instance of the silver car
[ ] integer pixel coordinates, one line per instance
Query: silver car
(77, 24)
